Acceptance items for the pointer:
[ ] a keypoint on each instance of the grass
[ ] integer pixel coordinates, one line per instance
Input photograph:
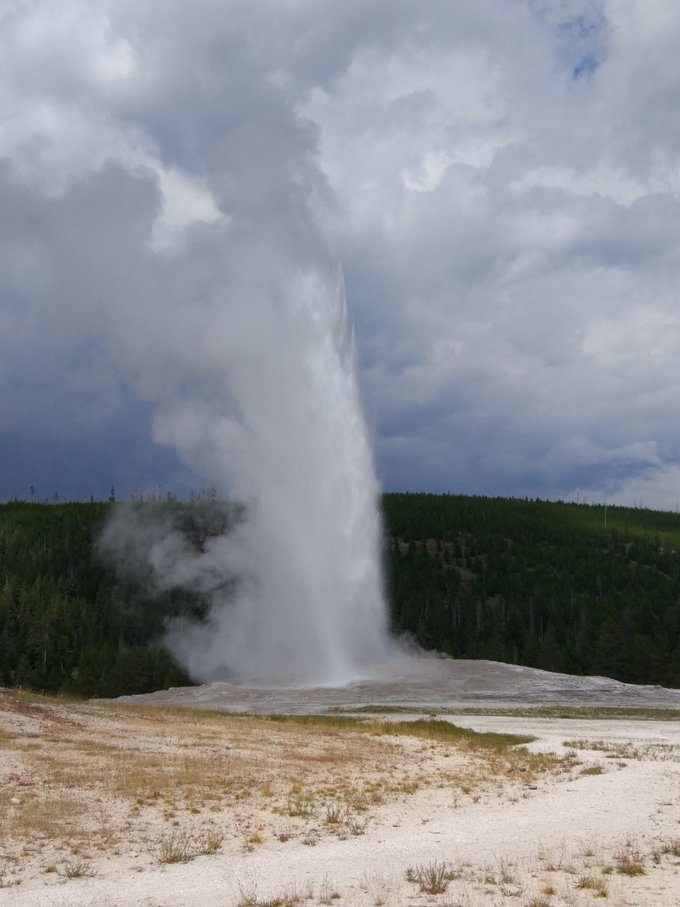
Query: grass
(433, 878)
(300, 777)
(629, 865)
(426, 729)
(175, 848)
(594, 713)
(284, 900)
(209, 842)
(355, 827)
(301, 805)
(672, 847)
(504, 754)
(7, 880)
(591, 883)
(43, 817)
(76, 869)
(183, 766)
(658, 752)
(334, 814)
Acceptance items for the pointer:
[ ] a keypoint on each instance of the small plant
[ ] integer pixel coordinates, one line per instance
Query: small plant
(300, 805)
(209, 842)
(175, 848)
(585, 882)
(356, 827)
(672, 847)
(333, 815)
(599, 886)
(5, 880)
(327, 894)
(285, 900)
(629, 861)
(358, 802)
(76, 869)
(433, 878)
(505, 874)
(629, 866)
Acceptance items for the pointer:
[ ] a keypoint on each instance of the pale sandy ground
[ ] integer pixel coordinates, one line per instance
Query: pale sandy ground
(299, 815)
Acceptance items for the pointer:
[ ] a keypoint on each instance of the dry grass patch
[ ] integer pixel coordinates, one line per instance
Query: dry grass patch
(598, 886)
(434, 878)
(630, 866)
(656, 752)
(671, 848)
(284, 900)
(44, 816)
(110, 776)
(76, 869)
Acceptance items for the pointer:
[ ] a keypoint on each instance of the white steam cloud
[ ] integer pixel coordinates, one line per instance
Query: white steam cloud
(295, 587)
(181, 249)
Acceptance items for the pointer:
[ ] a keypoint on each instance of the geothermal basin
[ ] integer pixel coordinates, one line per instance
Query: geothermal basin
(434, 683)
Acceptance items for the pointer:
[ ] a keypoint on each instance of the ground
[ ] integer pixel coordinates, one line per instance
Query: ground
(164, 801)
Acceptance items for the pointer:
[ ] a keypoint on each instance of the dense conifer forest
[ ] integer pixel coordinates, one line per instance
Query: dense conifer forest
(568, 587)
(68, 623)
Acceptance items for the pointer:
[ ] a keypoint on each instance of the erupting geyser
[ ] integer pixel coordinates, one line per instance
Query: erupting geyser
(252, 378)
(289, 440)
(310, 606)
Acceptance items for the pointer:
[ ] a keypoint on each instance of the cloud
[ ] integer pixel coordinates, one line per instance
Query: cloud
(500, 182)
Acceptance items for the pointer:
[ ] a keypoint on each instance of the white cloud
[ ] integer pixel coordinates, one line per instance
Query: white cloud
(186, 202)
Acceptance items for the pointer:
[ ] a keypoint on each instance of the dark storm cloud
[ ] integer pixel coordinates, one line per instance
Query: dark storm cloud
(500, 181)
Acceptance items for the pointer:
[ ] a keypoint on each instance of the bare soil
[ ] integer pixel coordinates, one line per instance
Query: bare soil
(170, 800)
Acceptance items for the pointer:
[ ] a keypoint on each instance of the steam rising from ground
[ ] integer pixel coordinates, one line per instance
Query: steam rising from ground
(307, 606)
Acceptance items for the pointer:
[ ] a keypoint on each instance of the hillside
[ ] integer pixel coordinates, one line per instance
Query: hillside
(538, 583)
(66, 622)
(544, 584)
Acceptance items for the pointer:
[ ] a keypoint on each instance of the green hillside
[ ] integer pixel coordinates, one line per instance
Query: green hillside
(565, 587)
(66, 623)
(540, 583)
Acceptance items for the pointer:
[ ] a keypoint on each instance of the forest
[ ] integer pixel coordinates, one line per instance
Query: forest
(577, 588)
(585, 589)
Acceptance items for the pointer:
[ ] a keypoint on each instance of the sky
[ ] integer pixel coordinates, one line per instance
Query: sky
(498, 183)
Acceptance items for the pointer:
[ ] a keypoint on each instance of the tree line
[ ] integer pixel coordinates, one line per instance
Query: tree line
(567, 587)
(67, 622)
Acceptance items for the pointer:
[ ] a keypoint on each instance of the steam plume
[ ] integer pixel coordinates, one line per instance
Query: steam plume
(290, 441)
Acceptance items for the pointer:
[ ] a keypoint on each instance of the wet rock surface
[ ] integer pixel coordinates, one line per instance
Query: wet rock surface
(419, 683)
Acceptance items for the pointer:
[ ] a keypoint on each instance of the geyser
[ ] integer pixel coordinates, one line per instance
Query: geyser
(252, 378)
(291, 443)
(309, 607)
